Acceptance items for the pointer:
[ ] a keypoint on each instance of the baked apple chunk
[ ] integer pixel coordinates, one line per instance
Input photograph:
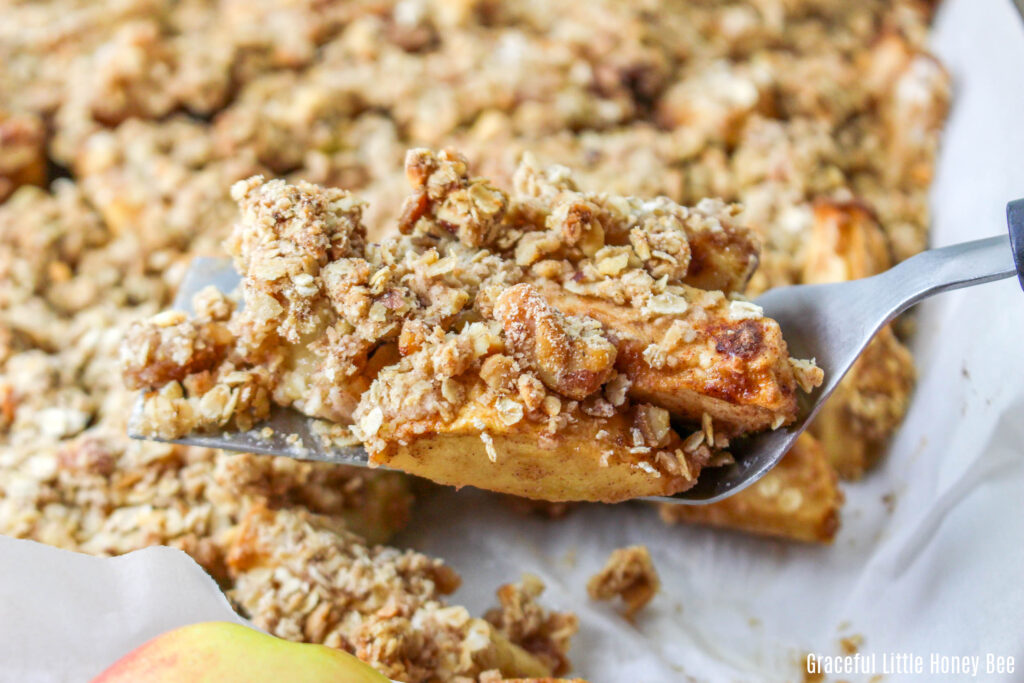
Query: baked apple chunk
(548, 343)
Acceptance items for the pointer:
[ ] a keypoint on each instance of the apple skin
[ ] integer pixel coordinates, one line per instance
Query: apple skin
(222, 652)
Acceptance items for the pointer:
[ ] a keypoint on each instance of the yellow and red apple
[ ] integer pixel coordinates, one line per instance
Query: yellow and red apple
(222, 652)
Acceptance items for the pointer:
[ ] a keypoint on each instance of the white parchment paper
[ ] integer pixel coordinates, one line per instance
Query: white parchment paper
(66, 616)
(941, 572)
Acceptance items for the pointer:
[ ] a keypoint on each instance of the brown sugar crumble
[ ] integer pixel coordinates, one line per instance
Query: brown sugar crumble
(628, 574)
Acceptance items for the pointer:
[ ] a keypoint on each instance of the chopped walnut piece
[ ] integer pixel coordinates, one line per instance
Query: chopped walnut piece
(169, 348)
(571, 355)
(629, 574)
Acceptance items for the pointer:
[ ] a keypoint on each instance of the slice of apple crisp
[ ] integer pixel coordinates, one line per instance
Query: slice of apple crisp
(546, 343)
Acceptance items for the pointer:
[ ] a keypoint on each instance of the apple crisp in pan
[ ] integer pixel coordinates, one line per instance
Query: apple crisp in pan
(124, 126)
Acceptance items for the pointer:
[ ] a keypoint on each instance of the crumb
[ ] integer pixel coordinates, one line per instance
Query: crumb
(851, 644)
(629, 574)
(522, 620)
(812, 677)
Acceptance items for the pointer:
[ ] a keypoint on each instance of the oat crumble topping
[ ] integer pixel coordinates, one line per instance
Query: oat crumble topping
(303, 577)
(820, 117)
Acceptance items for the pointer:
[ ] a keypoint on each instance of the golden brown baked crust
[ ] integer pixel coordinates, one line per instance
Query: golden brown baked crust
(845, 243)
(515, 331)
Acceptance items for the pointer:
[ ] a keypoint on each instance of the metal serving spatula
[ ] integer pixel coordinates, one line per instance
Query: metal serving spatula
(831, 323)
